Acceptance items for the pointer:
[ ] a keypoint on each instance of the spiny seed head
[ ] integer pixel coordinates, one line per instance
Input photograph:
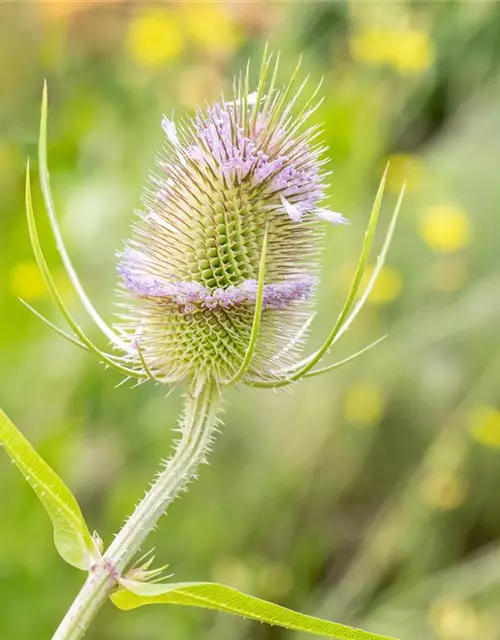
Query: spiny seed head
(189, 273)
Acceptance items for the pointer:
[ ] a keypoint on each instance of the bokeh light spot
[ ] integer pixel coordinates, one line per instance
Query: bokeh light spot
(363, 404)
(155, 36)
(484, 426)
(406, 50)
(210, 26)
(26, 281)
(405, 169)
(454, 620)
(229, 570)
(274, 580)
(387, 287)
(444, 490)
(445, 228)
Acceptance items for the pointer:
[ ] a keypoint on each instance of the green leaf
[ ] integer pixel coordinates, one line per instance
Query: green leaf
(220, 598)
(72, 538)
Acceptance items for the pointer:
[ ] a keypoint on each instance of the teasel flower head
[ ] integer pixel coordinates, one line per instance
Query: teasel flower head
(218, 278)
(239, 173)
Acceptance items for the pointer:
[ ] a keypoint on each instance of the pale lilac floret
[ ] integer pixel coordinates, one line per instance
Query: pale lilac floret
(170, 129)
(240, 155)
(331, 216)
(193, 295)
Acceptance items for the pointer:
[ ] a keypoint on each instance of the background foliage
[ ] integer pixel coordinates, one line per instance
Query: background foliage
(367, 496)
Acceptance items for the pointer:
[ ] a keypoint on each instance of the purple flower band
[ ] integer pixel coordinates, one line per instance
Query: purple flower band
(192, 295)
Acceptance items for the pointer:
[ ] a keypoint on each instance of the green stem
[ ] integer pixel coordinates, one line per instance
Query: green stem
(197, 427)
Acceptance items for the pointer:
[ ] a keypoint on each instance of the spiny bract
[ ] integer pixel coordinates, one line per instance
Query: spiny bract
(189, 273)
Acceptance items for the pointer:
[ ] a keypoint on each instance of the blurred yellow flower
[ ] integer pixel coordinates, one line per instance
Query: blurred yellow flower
(155, 36)
(229, 570)
(444, 490)
(274, 580)
(387, 287)
(406, 50)
(484, 426)
(454, 620)
(404, 168)
(210, 26)
(445, 228)
(363, 404)
(26, 281)
(413, 51)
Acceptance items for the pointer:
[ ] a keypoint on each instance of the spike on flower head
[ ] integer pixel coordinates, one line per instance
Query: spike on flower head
(190, 271)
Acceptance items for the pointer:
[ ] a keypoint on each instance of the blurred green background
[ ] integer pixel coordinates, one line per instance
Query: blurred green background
(369, 496)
